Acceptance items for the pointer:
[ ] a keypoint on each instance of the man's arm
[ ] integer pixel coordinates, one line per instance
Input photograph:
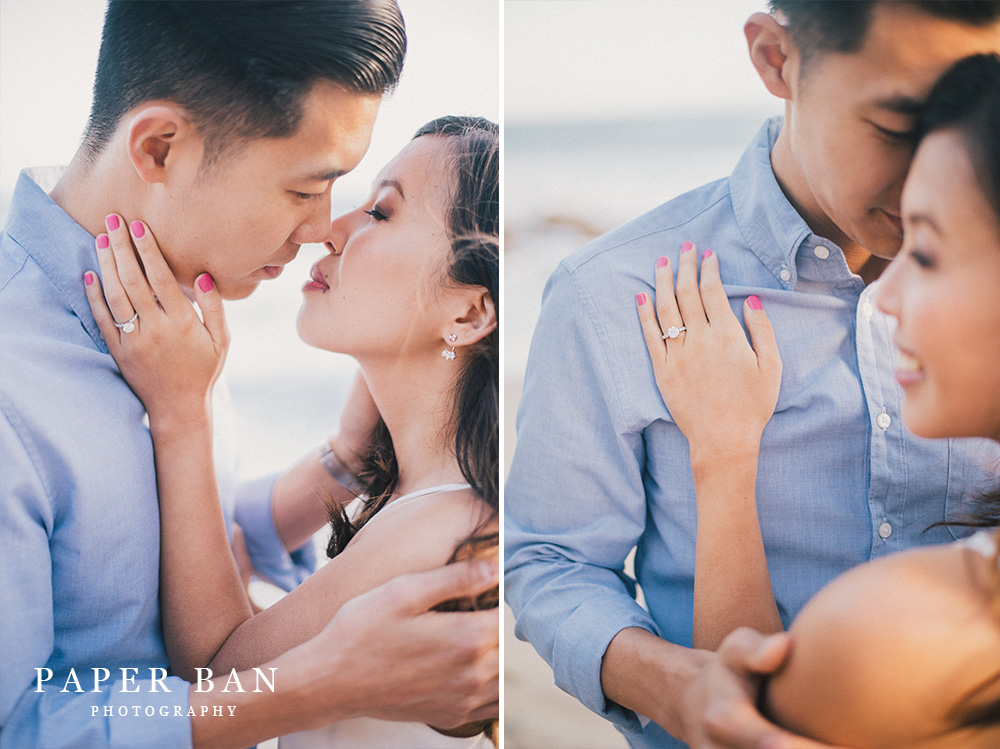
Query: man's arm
(443, 666)
(53, 717)
(575, 502)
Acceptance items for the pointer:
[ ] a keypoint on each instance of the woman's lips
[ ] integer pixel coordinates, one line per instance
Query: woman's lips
(318, 281)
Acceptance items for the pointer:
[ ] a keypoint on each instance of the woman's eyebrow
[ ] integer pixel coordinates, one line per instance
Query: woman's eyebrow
(393, 184)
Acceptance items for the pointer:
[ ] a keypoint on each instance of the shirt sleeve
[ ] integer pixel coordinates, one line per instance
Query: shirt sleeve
(269, 556)
(58, 716)
(574, 500)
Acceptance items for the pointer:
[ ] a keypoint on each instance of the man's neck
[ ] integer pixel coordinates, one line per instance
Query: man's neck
(786, 171)
(90, 190)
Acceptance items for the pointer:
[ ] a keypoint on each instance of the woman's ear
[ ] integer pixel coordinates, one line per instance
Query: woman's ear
(477, 320)
(773, 53)
(160, 137)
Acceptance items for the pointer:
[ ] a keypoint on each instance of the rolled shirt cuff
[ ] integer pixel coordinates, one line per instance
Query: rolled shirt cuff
(579, 648)
(270, 558)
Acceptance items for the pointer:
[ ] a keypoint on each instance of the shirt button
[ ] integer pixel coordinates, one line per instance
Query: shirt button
(885, 530)
(883, 421)
(785, 274)
(867, 310)
(822, 252)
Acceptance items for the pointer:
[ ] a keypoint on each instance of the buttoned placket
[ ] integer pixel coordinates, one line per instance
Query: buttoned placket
(887, 461)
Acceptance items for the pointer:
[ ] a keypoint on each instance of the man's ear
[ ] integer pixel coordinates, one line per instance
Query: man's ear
(159, 136)
(477, 320)
(773, 53)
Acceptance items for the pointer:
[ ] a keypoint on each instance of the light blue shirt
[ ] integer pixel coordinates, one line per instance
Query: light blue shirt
(600, 468)
(79, 553)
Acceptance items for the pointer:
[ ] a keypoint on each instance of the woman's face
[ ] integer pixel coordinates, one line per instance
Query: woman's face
(943, 291)
(379, 293)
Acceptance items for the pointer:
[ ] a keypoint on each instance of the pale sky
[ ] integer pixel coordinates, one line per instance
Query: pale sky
(599, 59)
(48, 55)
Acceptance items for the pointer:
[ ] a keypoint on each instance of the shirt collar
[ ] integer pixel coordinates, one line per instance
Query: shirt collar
(770, 225)
(62, 248)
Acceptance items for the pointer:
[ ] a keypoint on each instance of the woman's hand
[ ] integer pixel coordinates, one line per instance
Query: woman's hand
(169, 357)
(720, 391)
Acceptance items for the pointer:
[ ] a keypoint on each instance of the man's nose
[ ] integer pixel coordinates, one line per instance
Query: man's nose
(315, 225)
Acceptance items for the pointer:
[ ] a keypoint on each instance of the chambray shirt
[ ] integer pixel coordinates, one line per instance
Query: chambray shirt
(79, 552)
(600, 468)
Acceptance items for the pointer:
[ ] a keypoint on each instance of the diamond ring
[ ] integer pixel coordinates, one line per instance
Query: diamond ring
(129, 325)
(673, 332)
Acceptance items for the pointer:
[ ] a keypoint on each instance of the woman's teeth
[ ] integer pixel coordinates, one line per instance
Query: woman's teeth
(908, 363)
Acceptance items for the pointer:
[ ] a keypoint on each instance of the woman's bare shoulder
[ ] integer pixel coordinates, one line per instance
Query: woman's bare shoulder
(886, 653)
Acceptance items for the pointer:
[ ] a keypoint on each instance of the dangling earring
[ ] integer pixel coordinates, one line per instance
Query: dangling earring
(449, 354)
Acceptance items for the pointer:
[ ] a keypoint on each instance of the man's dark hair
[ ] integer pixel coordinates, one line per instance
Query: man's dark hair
(240, 68)
(842, 25)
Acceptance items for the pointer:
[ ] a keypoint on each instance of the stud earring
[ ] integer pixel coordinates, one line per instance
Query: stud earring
(449, 354)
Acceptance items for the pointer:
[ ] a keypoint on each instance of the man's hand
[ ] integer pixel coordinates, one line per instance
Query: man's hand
(720, 704)
(401, 661)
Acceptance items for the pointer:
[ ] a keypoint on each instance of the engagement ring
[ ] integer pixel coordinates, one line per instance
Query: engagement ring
(673, 332)
(129, 325)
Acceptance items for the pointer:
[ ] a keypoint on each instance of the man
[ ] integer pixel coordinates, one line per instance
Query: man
(807, 221)
(224, 126)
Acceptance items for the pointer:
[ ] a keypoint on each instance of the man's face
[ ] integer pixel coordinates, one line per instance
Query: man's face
(243, 219)
(851, 115)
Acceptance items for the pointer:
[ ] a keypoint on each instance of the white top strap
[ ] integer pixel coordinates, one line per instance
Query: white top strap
(425, 492)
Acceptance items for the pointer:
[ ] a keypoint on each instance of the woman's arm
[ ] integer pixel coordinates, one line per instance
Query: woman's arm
(303, 494)
(720, 393)
(172, 360)
(416, 537)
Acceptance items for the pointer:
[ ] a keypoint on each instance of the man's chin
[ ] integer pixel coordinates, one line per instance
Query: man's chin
(233, 291)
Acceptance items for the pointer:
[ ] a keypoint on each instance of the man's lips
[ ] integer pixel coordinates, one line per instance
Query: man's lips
(318, 281)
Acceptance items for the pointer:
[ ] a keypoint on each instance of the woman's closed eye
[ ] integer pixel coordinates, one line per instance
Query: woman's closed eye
(376, 214)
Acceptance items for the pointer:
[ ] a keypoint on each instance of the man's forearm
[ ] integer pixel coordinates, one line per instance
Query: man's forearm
(241, 719)
(647, 674)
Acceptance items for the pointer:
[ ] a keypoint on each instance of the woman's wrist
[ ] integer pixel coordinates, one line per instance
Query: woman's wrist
(713, 455)
(180, 421)
(344, 472)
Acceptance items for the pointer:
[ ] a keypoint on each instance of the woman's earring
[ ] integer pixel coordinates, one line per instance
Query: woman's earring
(449, 354)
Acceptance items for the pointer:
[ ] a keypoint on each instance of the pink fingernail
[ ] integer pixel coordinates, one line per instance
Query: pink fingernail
(112, 222)
(88, 278)
(753, 302)
(103, 241)
(687, 247)
(640, 298)
(138, 229)
(708, 253)
(662, 262)
(205, 283)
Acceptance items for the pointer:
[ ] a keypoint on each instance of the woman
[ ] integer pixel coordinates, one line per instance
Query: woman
(905, 651)
(410, 289)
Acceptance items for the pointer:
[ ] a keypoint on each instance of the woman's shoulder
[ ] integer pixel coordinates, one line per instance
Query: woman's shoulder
(886, 652)
(427, 528)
